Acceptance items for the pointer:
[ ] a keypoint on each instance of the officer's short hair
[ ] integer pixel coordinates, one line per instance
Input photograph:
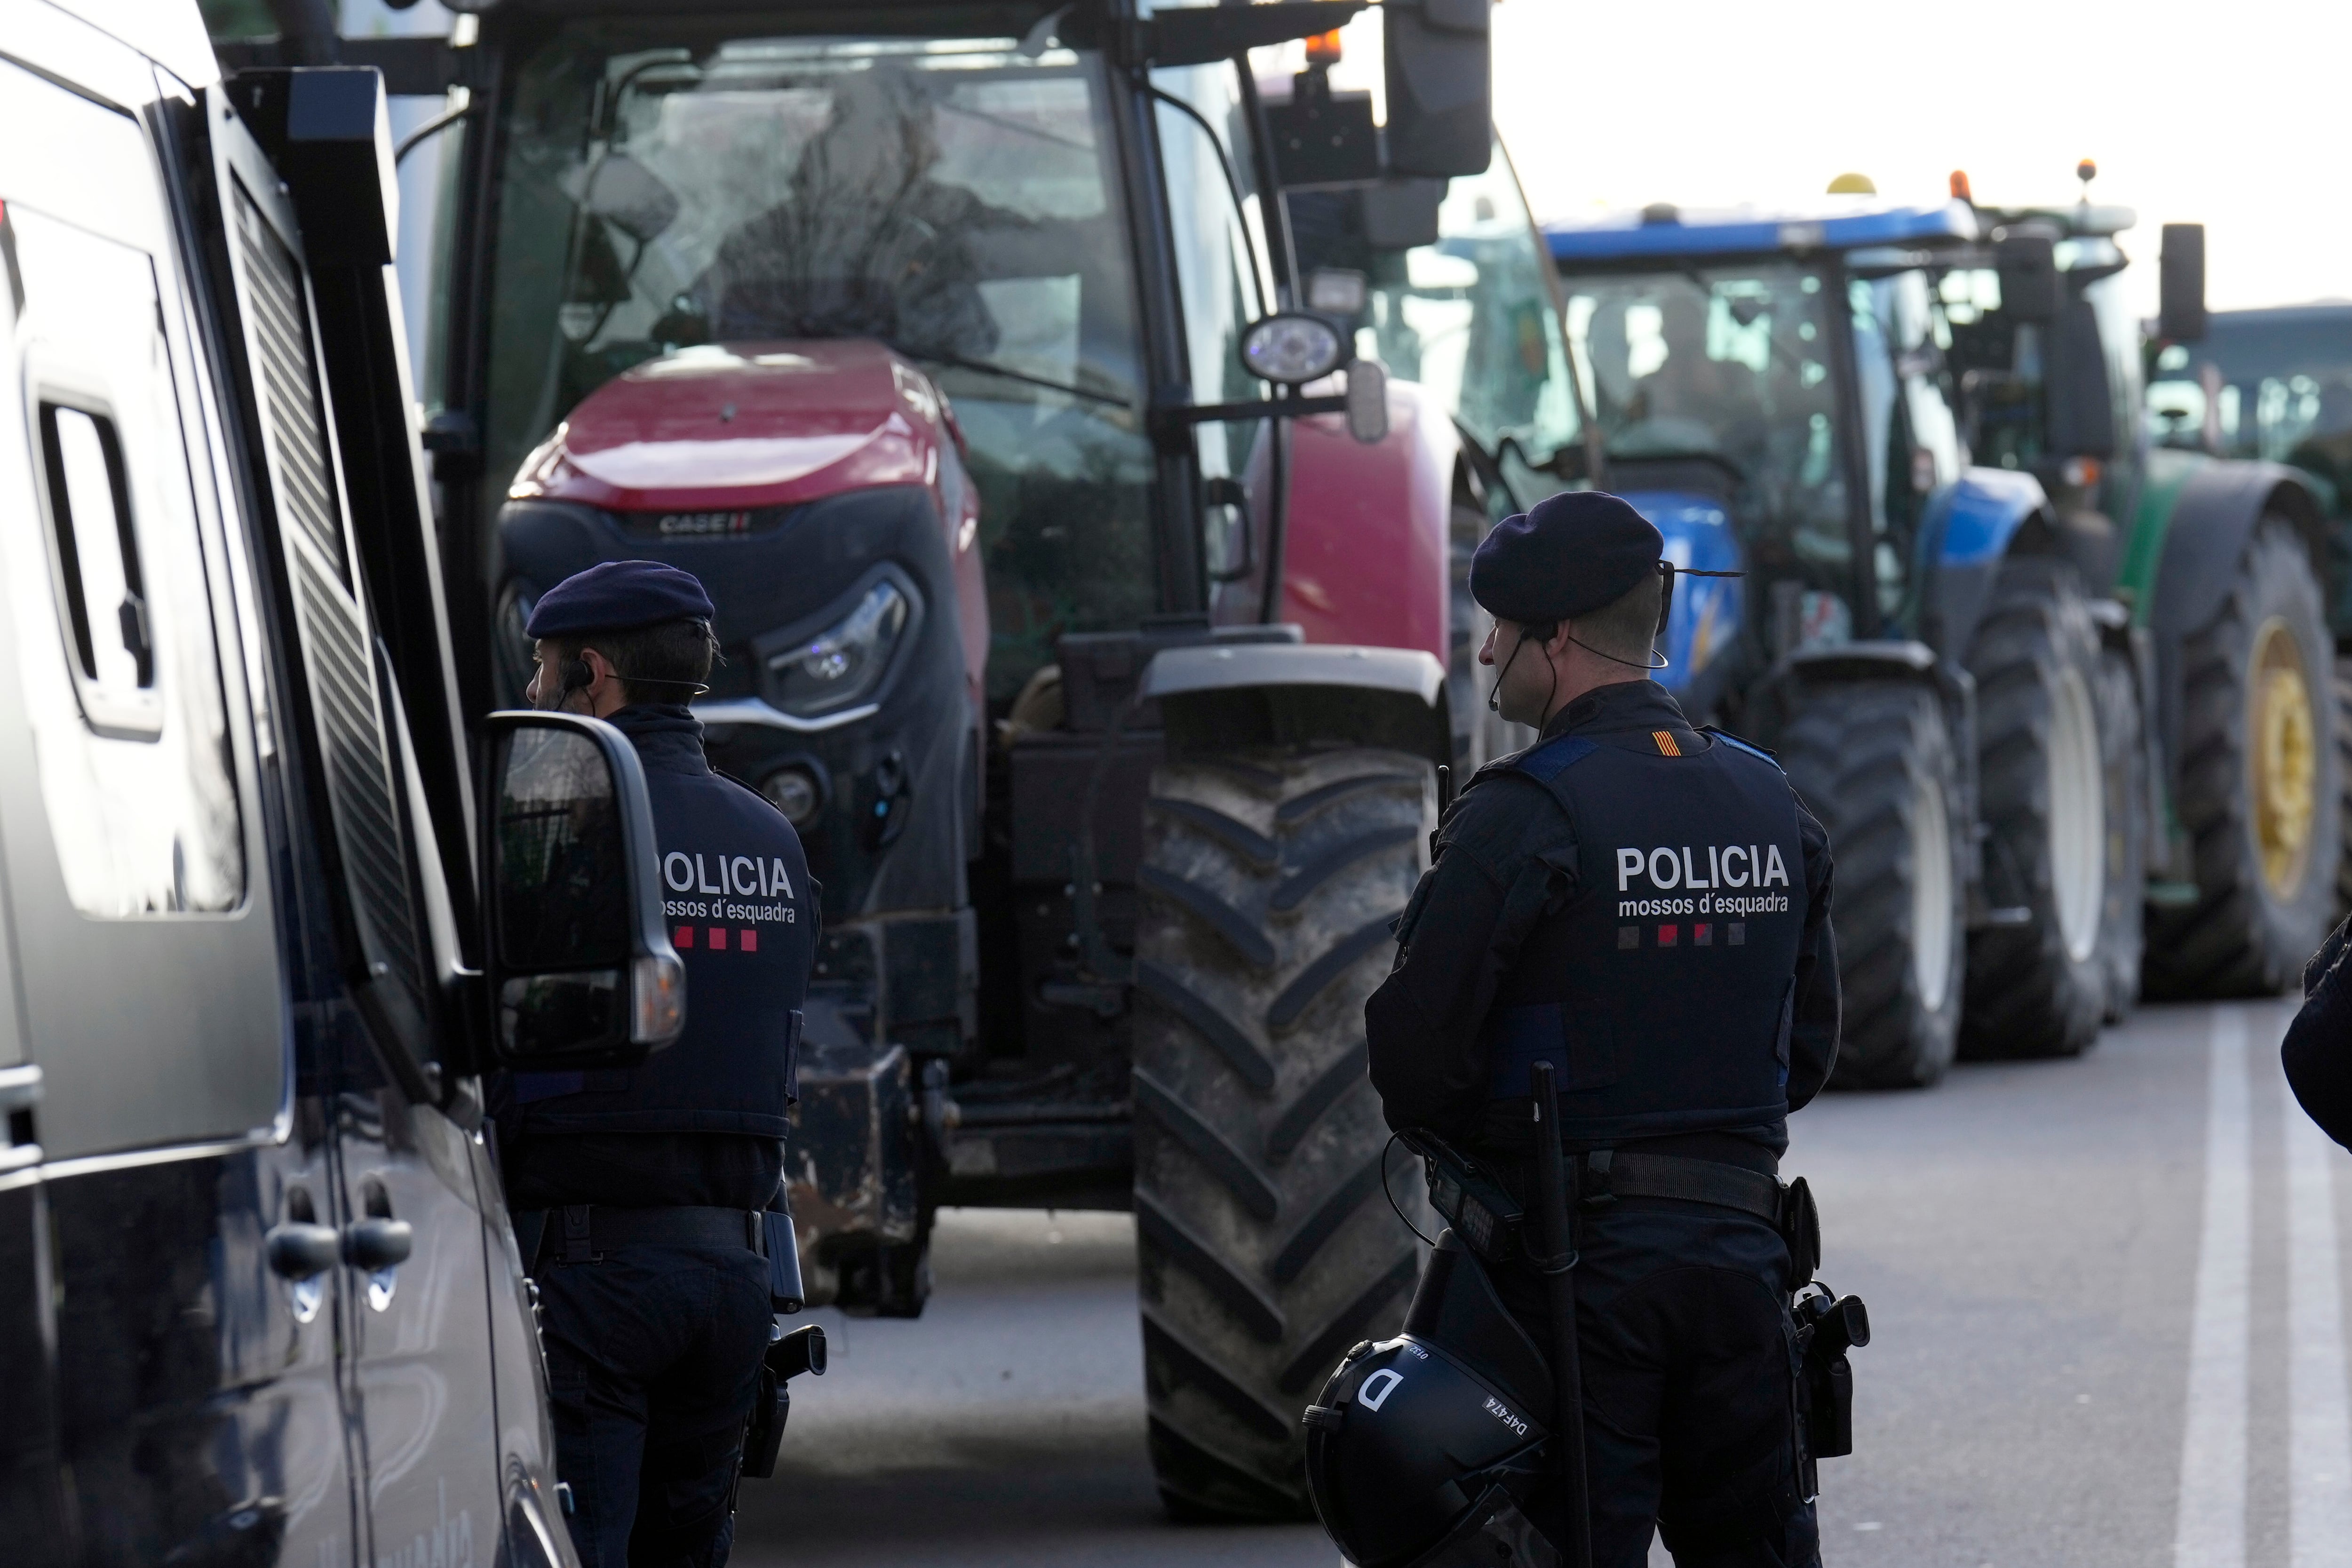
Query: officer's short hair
(1627, 626)
(660, 663)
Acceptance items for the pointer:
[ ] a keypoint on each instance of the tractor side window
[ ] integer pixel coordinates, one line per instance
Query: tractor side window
(1474, 321)
(1216, 221)
(1908, 431)
(1996, 364)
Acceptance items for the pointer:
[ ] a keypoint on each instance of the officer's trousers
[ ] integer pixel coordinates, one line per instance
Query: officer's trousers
(1689, 1366)
(653, 1359)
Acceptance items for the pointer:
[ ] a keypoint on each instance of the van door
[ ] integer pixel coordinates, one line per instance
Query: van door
(198, 1415)
(417, 1335)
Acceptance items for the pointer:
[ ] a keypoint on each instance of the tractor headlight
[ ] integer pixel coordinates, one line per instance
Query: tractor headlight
(1293, 348)
(845, 662)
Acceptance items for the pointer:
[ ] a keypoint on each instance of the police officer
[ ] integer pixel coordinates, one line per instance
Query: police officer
(2317, 1050)
(638, 1194)
(1646, 908)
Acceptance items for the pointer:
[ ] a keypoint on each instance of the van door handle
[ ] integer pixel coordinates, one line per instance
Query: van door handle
(302, 1251)
(375, 1245)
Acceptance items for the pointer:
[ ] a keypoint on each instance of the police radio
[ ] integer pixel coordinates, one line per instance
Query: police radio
(1481, 1211)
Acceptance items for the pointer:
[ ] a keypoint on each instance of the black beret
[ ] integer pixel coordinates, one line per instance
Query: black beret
(1568, 555)
(614, 595)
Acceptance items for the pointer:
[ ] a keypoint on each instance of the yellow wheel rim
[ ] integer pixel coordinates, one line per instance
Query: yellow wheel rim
(2285, 761)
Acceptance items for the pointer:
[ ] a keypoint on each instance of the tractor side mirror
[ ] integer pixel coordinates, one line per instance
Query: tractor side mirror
(581, 969)
(631, 197)
(2031, 289)
(1439, 86)
(1399, 215)
(2181, 297)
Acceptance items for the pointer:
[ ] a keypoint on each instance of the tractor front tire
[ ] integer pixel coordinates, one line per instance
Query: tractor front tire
(2039, 989)
(2258, 782)
(1268, 883)
(2123, 745)
(1874, 762)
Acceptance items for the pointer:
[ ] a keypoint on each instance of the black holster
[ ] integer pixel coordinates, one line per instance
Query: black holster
(789, 1356)
(1828, 1325)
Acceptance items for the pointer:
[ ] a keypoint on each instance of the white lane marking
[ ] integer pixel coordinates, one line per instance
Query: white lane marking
(2210, 1531)
(2319, 1409)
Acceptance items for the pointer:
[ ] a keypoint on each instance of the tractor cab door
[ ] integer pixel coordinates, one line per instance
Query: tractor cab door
(1909, 438)
(1217, 224)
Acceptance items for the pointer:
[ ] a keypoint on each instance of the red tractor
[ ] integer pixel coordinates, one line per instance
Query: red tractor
(1090, 595)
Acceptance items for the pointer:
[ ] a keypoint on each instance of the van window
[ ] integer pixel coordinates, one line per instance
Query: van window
(121, 660)
(100, 589)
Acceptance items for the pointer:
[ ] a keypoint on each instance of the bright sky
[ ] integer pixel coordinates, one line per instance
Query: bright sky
(2195, 113)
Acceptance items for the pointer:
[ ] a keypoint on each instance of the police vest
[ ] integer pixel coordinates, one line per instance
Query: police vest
(741, 915)
(1662, 992)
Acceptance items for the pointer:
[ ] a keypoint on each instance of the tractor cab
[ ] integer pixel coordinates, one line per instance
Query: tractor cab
(1771, 389)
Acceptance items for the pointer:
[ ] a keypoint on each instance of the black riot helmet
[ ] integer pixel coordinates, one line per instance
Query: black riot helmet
(1417, 1447)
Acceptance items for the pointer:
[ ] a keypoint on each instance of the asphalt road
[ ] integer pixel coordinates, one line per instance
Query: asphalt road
(2095, 1344)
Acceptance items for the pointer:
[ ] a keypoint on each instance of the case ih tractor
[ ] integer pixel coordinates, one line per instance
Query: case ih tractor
(2053, 691)
(1089, 612)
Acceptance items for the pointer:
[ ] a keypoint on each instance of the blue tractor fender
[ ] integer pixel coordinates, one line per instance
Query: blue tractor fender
(1964, 537)
(1709, 612)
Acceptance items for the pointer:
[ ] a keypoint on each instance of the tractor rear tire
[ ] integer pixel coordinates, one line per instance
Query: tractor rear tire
(2123, 744)
(1874, 762)
(1268, 882)
(2039, 989)
(2258, 782)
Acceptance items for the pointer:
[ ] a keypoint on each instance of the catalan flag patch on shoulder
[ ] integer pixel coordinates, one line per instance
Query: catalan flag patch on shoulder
(1666, 740)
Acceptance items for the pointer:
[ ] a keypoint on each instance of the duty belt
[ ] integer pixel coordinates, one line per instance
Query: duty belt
(580, 1233)
(1603, 1174)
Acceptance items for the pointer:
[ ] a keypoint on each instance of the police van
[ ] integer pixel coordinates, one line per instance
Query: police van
(266, 915)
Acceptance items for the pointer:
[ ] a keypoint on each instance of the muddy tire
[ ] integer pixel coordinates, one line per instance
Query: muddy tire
(2257, 784)
(1266, 1249)
(1874, 762)
(2123, 749)
(2039, 989)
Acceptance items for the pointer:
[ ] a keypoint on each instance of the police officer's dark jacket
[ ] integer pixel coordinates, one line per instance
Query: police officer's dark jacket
(743, 919)
(2317, 1050)
(1644, 906)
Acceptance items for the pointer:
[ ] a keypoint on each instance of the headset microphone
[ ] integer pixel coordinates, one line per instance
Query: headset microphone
(1495, 692)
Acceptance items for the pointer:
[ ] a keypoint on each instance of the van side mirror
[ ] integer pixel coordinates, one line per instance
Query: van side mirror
(2180, 293)
(2031, 289)
(580, 967)
(1440, 68)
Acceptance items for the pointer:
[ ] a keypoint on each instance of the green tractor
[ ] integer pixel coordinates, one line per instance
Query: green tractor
(2276, 385)
(2220, 560)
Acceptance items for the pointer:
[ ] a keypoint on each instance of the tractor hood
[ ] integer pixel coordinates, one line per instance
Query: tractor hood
(736, 426)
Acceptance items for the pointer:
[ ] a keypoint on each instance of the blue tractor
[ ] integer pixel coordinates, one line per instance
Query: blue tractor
(1947, 672)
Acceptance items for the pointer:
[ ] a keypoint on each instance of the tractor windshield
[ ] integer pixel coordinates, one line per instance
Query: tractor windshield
(1722, 375)
(2262, 383)
(957, 199)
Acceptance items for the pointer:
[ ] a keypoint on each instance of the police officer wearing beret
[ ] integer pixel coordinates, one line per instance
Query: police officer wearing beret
(1644, 906)
(640, 1196)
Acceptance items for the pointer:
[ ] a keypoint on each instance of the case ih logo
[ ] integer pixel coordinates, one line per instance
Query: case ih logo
(672, 523)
